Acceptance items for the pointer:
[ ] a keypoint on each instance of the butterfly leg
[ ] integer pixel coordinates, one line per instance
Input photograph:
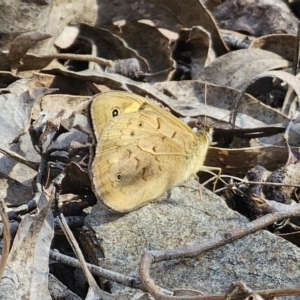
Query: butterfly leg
(209, 170)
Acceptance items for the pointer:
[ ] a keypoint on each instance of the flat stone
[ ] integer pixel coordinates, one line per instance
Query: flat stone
(261, 260)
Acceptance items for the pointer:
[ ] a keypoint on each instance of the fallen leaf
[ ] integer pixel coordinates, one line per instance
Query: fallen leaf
(241, 66)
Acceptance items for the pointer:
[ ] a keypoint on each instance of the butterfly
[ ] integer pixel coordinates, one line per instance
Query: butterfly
(141, 150)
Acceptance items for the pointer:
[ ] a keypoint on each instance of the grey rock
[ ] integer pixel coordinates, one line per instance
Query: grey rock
(261, 260)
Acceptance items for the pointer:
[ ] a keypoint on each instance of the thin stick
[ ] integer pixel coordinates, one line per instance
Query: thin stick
(17, 157)
(6, 237)
(296, 51)
(205, 94)
(81, 57)
(231, 185)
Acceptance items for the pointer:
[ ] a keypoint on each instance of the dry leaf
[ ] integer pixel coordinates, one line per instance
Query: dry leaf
(14, 192)
(111, 46)
(194, 47)
(239, 161)
(281, 44)
(217, 102)
(256, 17)
(40, 16)
(149, 44)
(15, 113)
(21, 44)
(189, 13)
(29, 255)
(238, 67)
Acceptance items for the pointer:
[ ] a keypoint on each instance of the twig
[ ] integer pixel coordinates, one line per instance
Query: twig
(296, 51)
(94, 291)
(132, 282)
(81, 57)
(110, 275)
(219, 178)
(230, 185)
(17, 157)
(6, 237)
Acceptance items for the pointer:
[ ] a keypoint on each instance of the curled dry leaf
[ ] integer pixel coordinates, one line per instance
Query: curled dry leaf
(111, 46)
(188, 13)
(281, 44)
(279, 186)
(41, 15)
(194, 47)
(291, 80)
(21, 44)
(216, 102)
(149, 43)
(33, 16)
(63, 126)
(67, 37)
(256, 17)
(78, 132)
(117, 82)
(15, 116)
(241, 66)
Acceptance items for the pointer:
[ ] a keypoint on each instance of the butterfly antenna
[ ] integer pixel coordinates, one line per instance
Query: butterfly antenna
(245, 104)
(205, 94)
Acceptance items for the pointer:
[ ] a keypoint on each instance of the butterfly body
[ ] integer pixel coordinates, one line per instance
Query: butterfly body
(142, 153)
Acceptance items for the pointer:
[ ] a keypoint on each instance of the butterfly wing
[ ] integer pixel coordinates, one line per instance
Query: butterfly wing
(139, 156)
(106, 106)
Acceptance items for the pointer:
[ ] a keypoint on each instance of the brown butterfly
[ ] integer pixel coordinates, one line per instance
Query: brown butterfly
(141, 150)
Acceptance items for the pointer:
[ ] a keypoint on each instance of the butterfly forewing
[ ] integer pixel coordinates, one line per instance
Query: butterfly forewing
(106, 106)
